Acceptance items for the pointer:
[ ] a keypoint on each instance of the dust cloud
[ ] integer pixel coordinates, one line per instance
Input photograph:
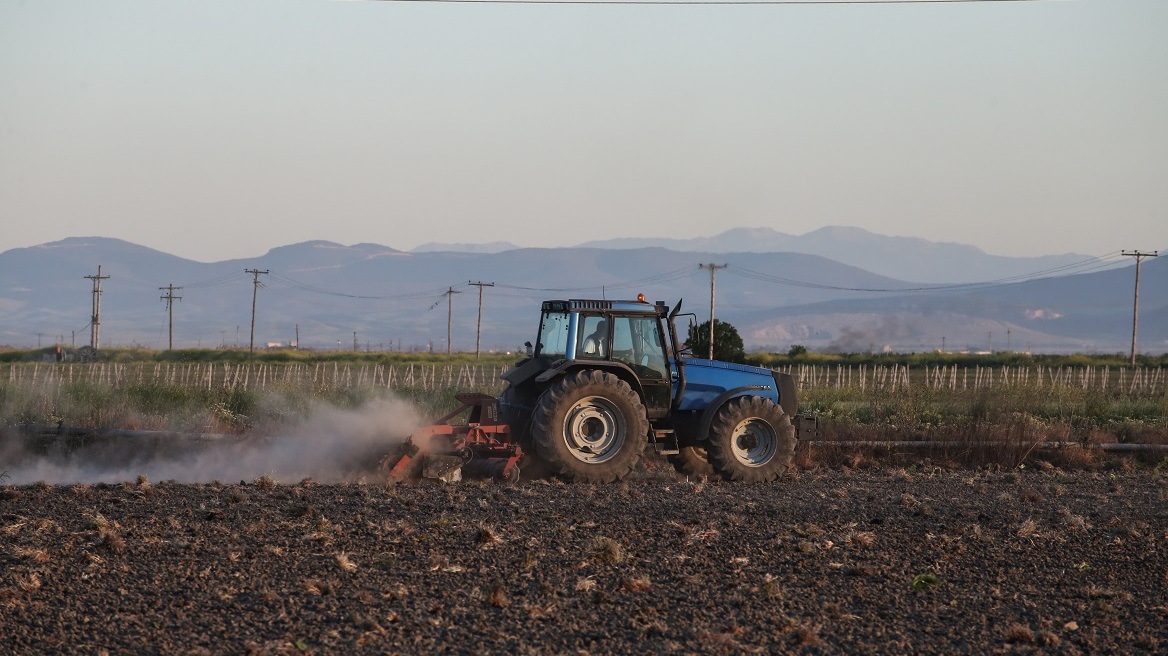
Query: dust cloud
(331, 445)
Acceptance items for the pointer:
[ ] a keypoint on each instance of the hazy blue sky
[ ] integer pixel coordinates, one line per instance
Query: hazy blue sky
(220, 129)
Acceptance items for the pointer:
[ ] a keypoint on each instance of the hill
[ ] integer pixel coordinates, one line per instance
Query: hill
(326, 292)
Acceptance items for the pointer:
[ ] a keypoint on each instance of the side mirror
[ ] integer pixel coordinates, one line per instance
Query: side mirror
(530, 350)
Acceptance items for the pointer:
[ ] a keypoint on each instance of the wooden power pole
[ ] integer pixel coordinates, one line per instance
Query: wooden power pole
(95, 321)
(254, 292)
(1139, 255)
(713, 269)
(450, 315)
(479, 330)
(170, 298)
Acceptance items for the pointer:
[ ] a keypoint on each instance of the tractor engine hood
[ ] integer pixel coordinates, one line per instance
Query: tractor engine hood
(708, 381)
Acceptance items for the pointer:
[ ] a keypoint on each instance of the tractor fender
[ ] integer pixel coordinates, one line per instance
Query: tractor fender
(788, 397)
(523, 371)
(722, 400)
(619, 369)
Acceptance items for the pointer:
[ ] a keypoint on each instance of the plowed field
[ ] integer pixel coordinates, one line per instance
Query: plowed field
(877, 561)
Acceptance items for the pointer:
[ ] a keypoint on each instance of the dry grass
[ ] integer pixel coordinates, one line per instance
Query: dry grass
(1019, 633)
(108, 534)
(487, 537)
(695, 534)
(31, 554)
(807, 635)
(1028, 529)
(318, 587)
(345, 562)
(498, 597)
(1074, 523)
(607, 550)
(770, 587)
(637, 584)
(1030, 495)
(31, 583)
(861, 538)
(14, 528)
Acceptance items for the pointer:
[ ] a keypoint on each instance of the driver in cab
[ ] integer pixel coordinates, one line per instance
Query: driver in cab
(596, 344)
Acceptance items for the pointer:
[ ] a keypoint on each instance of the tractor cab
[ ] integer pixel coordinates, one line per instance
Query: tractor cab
(627, 337)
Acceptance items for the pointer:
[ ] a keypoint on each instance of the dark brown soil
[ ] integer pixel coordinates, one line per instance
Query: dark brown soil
(824, 562)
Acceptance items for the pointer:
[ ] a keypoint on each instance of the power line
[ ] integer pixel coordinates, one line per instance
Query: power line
(295, 284)
(1139, 255)
(667, 276)
(213, 282)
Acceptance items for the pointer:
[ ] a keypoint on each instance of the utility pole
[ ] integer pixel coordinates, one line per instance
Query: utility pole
(254, 291)
(1139, 255)
(170, 298)
(479, 331)
(95, 321)
(297, 336)
(450, 315)
(713, 269)
(355, 340)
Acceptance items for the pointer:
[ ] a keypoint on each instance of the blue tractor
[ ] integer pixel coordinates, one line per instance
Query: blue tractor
(604, 381)
(607, 379)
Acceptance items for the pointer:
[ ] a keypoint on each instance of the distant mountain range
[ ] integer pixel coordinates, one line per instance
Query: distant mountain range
(325, 292)
(904, 258)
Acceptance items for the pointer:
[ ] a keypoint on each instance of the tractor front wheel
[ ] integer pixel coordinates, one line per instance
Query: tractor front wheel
(751, 440)
(590, 427)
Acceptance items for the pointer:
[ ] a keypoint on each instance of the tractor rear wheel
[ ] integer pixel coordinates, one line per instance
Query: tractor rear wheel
(691, 461)
(590, 427)
(751, 440)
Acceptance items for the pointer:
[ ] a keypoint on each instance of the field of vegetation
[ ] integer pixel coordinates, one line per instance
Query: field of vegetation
(1019, 401)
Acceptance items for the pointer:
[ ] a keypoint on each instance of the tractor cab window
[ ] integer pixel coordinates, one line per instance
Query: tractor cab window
(636, 341)
(594, 340)
(553, 335)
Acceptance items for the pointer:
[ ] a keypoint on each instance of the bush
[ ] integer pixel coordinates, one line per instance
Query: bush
(727, 342)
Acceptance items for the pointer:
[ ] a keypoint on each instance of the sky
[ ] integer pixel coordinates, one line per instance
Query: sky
(220, 129)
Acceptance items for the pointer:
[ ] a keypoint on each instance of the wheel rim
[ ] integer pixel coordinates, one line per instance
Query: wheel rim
(594, 430)
(754, 442)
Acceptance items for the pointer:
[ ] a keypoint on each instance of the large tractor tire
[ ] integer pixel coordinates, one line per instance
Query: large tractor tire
(691, 461)
(516, 406)
(751, 440)
(590, 427)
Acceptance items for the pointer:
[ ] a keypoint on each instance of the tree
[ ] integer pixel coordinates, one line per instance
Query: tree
(796, 351)
(727, 342)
